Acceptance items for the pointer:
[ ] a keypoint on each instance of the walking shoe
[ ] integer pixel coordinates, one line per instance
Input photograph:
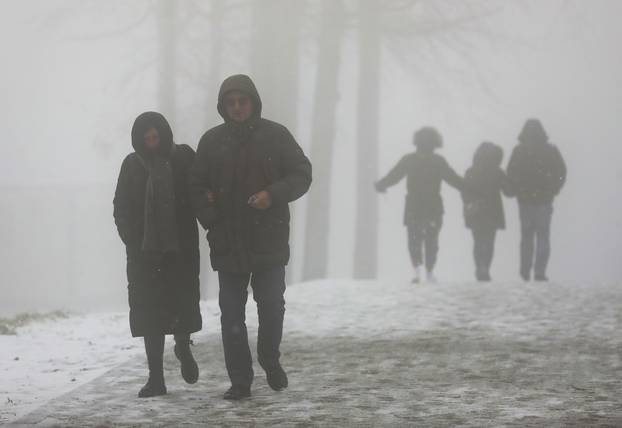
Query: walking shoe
(417, 278)
(237, 392)
(541, 278)
(152, 388)
(189, 367)
(277, 378)
(431, 277)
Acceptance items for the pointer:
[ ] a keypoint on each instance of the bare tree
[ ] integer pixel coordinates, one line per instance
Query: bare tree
(326, 97)
(167, 31)
(366, 226)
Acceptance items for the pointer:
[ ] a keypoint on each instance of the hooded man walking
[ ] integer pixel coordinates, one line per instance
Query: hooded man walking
(246, 172)
(537, 173)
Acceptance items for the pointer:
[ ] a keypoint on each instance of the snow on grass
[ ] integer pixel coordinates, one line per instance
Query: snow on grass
(48, 355)
(380, 353)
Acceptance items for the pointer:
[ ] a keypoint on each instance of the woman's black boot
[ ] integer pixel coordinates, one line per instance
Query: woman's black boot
(189, 367)
(154, 347)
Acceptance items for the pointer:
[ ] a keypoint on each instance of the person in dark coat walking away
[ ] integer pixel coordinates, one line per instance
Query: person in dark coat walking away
(537, 172)
(156, 222)
(423, 215)
(483, 206)
(247, 171)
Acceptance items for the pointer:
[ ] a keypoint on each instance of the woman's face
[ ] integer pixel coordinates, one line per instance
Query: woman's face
(152, 139)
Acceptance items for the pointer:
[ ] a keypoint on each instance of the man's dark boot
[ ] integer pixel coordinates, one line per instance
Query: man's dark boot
(277, 378)
(153, 388)
(541, 278)
(189, 367)
(237, 392)
(525, 276)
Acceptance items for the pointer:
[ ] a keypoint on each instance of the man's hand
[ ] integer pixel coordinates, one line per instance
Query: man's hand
(261, 200)
(211, 197)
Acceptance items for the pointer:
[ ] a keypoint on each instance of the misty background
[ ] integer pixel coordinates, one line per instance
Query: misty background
(352, 80)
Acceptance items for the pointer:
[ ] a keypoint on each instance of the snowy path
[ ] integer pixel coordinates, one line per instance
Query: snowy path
(389, 354)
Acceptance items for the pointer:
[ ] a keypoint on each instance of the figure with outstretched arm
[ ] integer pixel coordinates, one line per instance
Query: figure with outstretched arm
(424, 171)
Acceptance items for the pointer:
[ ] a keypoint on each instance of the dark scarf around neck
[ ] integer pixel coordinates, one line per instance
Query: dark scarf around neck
(160, 231)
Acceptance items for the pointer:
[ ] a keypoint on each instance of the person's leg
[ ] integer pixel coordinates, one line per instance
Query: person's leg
(543, 243)
(189, 367)
(415, 244)
(477, 253)
(488, 250)
(431, 245)
(527, 239)
(232, 300)
(268, 291)
(154, 348)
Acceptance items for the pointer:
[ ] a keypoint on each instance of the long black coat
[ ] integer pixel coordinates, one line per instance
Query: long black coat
(236, 161)
(164, 293)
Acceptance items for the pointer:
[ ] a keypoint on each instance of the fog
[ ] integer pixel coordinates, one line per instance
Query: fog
(75, 74)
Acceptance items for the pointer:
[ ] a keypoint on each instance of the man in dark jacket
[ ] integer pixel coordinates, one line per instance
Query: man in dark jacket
(423, 214)
(537, 173)
(246, 172)
(155, 221)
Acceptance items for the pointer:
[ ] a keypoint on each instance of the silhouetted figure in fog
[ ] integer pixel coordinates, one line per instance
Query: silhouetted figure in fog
(155, 220)
(423, 214)
(247, 171)
(537, 173)
(483, 206)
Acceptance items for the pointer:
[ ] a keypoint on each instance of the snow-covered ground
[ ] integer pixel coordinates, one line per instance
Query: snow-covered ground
(48, 358)
(357, 353)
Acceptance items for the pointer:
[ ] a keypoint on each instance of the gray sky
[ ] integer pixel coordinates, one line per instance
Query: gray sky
(69, 100)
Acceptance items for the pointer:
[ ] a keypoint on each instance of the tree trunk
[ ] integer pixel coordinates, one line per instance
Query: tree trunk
(366, 232)
(167, 58)
(208, 278)
(326, 98)
(275, 51)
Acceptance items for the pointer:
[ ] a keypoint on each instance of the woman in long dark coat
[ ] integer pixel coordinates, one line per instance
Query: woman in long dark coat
(483, 206)
(156, 223)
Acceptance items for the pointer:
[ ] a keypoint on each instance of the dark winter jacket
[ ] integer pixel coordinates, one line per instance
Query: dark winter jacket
(235, 161)
(424, 172)
(536, 169)
(163, 288)
(484, 182)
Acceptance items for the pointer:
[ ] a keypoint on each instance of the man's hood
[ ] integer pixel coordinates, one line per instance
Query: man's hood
(533, 133)
(143, 123)
(241, 83)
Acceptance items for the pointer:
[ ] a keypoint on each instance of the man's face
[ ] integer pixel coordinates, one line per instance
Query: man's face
(239, 106)
(152, 139)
